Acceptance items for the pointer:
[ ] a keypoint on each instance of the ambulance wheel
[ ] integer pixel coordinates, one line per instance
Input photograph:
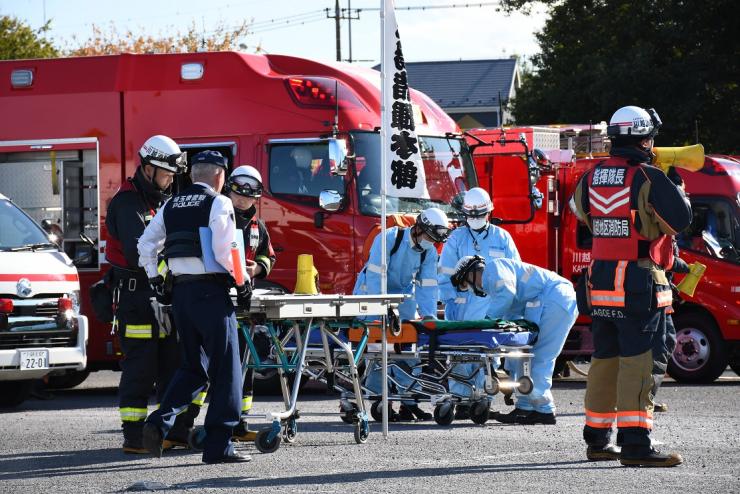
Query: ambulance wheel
(376, 411)
(444, 413)
(13, 393)
(362, 431)
(479, 412)
(264, 444)
(196, 438)
(525, 385)
(69, 379)
(347, 416)
(291, 431)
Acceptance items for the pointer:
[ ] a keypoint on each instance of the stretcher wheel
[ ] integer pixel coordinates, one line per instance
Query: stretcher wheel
(264, 444)
(346, 415)
(376, 411)
(362, 431)
(444, 413)
(291, 431)
(196, 438)
(479, 412)
(525, 385)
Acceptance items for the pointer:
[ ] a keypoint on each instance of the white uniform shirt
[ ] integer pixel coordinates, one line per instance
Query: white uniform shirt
(222, 224)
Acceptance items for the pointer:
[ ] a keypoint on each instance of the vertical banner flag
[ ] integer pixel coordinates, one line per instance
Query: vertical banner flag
(404, 175)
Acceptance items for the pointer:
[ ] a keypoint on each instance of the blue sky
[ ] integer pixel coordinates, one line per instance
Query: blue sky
(433, 34)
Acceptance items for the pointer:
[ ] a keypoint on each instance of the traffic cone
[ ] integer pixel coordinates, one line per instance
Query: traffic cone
(307, 279)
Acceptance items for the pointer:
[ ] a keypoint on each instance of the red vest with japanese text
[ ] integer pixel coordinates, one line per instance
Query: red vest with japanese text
(113, 248)
(612, 218)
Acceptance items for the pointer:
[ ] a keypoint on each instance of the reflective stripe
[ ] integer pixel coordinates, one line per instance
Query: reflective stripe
(612, 298)
(600, 420)
(461, 300)
(246, 403)
(636, 418)
(131, 414)
(374, 268)
(664, 298)
(445, 270)
(528, 270)
(607, 206)
(506, 282)
(200, 399)
(532, 304)
(428, 282)
(138, 331)
(265, 260)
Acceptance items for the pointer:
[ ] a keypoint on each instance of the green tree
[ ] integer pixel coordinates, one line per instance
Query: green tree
(18, 40)
(680, 57)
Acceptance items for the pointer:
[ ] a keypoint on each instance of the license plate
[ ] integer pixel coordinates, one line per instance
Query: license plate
(34, 359)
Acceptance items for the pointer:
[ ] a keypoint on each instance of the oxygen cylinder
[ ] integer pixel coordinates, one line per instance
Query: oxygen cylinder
(307, 279)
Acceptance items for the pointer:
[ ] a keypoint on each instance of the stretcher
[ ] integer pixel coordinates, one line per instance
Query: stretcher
(294, 324)
(425, 365)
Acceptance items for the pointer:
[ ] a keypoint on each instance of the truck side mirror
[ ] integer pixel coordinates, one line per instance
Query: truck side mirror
(339, 159)
(330, 200)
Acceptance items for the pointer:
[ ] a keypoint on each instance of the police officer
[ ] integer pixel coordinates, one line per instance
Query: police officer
(195, 231)
(632, 209)
(513, 289)
(150, 354)
(411, 259)
(244, 187)
(477, 237)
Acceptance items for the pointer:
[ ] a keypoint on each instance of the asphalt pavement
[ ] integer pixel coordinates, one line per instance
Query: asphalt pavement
(72, 444)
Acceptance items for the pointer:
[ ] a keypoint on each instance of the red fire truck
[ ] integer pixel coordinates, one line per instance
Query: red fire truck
(549, 235)
(71, 129)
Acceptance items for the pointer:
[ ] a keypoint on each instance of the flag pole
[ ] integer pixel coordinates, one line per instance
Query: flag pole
(383, 213)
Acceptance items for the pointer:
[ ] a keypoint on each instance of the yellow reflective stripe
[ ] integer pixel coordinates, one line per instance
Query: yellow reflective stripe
(131, 414)
(138, 331)
(200, 399)
(266, 260)
(162, 267)
(246, 403)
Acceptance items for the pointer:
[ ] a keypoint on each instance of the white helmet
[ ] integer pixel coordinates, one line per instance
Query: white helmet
(477, 203)
(634, 121)
(434, 222)
(162, 152)
(302, 156)
(246, 181)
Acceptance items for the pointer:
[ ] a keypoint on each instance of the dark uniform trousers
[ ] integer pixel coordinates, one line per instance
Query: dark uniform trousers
(622, 365)
(150, 357)
(204, 316)
(662, 351)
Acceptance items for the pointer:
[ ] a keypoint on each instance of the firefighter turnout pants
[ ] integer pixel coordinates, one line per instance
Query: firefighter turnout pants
(620, 381)
(205, 320)
(150, 358)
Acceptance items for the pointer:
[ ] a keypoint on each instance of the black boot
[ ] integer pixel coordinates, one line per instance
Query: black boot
(242, 432)
(152, 440)
(132, 441)
(641, 456)
(603, 453)
(535, 417)
(512, 417)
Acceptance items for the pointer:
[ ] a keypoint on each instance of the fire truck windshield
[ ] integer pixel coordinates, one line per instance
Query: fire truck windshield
(448, 167)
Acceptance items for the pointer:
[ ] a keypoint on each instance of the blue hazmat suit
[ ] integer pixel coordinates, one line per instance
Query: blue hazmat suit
(516, 289)
(407, 274)
(492, 242)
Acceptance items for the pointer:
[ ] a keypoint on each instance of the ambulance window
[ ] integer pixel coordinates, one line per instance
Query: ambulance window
(17, 229)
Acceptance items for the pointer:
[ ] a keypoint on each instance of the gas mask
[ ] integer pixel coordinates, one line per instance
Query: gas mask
(477, 223)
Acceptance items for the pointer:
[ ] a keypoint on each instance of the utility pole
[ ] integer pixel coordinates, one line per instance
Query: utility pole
(338, 29)
(341, 14)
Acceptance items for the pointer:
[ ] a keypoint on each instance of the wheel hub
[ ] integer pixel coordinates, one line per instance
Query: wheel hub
(692, 349)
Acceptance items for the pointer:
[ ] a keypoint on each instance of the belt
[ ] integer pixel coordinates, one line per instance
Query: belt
(222, 279)
(130, 281)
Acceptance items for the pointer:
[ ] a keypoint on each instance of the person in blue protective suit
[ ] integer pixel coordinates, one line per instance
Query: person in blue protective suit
(411, 259)
(202, 274)
(514, 290)
(477, 237)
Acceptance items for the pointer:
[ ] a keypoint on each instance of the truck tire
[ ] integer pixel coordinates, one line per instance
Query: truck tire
(735, 366)
(69, 379)
(701, 354)
(13, 393)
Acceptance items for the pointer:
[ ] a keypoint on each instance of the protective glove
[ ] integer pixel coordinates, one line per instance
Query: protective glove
(244, 296)
(157, 284)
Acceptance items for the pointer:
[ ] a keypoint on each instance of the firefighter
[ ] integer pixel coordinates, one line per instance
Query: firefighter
(149, 353)
(632, 210)
(244, 187)
(411, 258)
(477, 237)
(513, 289)
(195, 231)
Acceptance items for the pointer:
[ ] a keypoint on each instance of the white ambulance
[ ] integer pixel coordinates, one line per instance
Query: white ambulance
(41, 329)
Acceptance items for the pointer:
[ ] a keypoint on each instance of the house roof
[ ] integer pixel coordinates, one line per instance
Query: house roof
(463, 83)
